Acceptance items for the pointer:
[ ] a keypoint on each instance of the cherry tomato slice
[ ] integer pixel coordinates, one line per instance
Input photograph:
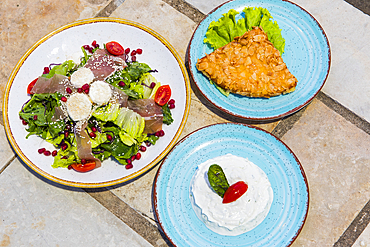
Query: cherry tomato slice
(90, 165)
(163, 95)
(31, 85)
(234, 192)
(114, 48)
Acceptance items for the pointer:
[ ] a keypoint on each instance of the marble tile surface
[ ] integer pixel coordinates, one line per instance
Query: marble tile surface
(336, 159)
(334, 153)
(36, 213)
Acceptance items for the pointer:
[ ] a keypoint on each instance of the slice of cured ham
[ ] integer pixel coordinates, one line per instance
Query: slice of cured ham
(150, 111)
(84, 144)
(103, 64)
(58, 83)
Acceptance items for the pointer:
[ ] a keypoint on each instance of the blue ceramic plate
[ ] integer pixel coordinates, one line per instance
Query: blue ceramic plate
(172, 187)
(307, 55)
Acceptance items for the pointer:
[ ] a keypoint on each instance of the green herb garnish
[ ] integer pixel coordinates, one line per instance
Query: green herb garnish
(217, 179)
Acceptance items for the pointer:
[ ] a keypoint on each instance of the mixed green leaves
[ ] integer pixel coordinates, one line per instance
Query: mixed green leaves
(38, 112)
(217, 179)
(130, 76)
(224, 30)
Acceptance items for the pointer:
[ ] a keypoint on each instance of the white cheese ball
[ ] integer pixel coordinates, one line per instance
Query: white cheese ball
(81, 77)
(100, 92)
(79, 106)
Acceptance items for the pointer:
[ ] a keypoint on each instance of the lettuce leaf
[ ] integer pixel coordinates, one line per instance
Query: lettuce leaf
(224, 30)
(132, 126)
(62, 69)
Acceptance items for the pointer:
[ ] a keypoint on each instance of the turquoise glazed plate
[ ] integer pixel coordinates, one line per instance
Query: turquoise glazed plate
(307, 56)
(172, 203)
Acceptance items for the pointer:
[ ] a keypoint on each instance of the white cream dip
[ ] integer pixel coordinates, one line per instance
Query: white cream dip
(237, 217)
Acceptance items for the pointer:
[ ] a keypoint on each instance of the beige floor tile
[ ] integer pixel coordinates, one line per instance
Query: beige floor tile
(35, 213)
(25, 22)
(169, 23)
(335, 156)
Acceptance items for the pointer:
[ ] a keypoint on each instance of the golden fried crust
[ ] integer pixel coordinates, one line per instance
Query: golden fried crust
(249, 65)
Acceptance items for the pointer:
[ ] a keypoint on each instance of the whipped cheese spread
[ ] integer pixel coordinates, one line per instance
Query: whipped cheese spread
(237, 217)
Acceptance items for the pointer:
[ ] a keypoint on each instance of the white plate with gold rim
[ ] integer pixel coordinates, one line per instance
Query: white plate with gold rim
(55, 48)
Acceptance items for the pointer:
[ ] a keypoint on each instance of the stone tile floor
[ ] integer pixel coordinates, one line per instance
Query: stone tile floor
(330, 136)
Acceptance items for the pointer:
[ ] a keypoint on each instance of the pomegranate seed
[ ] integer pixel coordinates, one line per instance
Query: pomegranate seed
(54, 153)
(86, 91)
(64, 146)
(68, 90)
(79, 90)
(69, 167)
(127, 51)
(152, 85)
(129, 166)
(47, 153)
(109, 137)
(41, 150)
(171, 101)
(86, 47)
(92, 134)
(138, 156)
(128, 161)
(94, 129)
(66, 134)
(64, 99)
(148, 144)
(46, 70)
(133, 53)
(83, 161)
(24, 122)
(85, 86)
(171, 106)
(142, 148)
(159, 133)
(121, 84)
(68, 127)
(133, 58)
(97, 46)
(64, 157)
(35, 117)
(139, 51)
(133, 157)
(93, 43)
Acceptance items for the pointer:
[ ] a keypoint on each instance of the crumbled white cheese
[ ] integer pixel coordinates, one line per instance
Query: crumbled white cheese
(100, 92)
(81, 77)
(79, 106)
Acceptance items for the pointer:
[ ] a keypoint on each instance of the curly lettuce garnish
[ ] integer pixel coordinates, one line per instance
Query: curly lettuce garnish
(224, 30)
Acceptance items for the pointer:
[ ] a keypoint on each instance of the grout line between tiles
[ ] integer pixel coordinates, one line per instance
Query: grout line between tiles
(108, 10)
(7, 164)
(129, 216)
(344, 112)
(186, 9)
(355, 229)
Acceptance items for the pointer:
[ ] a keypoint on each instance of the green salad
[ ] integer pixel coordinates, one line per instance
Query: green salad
(121, 128)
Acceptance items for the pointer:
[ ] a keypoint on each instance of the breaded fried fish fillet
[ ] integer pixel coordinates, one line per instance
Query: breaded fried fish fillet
(249, 65)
